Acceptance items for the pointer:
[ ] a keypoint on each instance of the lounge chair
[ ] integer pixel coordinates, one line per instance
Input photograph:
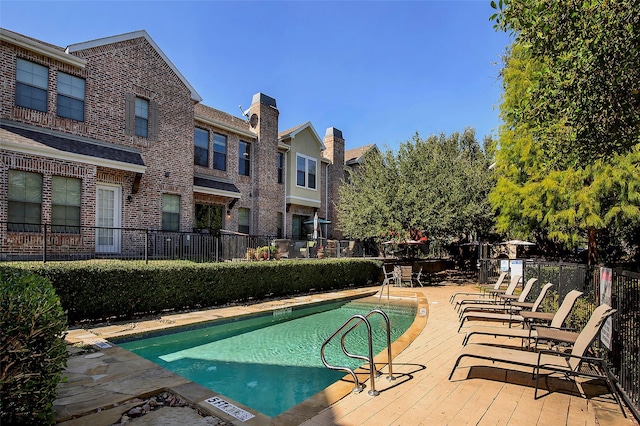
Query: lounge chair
(567, 304)
(556, 323)
(495, 286)
(547, 362)
(505, 306)
(492, 294)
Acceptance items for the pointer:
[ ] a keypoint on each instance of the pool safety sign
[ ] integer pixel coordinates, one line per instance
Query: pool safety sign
(230, 409)
(606, 275)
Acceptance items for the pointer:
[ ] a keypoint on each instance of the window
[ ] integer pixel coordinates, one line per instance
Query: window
(32, 82)
(297, 227)
(65, 204)
(219, 152)
(244, 163)
(279, 225)
(280, 167)
(142, 117)
(243, 220)
(306, 171)
(25, 201)
(201, 149)
(70, 97)
(209, 218)
(170, 212)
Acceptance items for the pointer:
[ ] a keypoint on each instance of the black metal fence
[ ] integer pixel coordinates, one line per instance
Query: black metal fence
(44, 242)
(623, 356)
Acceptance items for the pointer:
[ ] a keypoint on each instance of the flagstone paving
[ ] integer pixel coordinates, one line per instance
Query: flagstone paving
(104, 385)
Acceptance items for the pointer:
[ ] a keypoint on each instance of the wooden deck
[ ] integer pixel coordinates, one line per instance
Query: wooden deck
(485, 394)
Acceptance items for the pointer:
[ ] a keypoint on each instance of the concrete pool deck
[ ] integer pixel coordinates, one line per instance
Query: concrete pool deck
(101, 385)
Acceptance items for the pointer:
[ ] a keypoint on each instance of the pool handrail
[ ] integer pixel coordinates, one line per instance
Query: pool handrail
(373, 371)
(388, 329)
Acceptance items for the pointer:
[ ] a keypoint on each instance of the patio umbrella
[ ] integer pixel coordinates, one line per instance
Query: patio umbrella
(316, 222)
(518, 243)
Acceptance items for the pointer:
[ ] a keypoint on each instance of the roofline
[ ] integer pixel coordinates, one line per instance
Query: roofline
(36, 47)
(306, 125)
(225, 126)
(131, 36)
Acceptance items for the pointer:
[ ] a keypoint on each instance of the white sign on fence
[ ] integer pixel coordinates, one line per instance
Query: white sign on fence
(516, 268)
(606, 275)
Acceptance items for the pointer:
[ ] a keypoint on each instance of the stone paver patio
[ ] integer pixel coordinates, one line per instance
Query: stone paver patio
(100, 384)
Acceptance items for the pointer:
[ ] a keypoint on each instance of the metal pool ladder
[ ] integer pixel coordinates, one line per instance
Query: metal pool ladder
(349, 326)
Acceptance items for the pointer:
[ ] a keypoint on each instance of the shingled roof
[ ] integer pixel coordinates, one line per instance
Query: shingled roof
(24, 138)
(355, 155)
(216, 186)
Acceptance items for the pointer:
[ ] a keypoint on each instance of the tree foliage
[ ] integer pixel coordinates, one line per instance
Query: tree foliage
(438, 186)
(588, 78)
(536, 197)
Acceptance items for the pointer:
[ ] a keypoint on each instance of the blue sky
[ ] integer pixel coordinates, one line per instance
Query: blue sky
(380, 71)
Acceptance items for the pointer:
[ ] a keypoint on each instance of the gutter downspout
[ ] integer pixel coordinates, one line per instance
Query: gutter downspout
(285, 172)
(326, 202)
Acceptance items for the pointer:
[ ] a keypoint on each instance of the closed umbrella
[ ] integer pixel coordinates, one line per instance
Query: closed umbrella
(315, 226)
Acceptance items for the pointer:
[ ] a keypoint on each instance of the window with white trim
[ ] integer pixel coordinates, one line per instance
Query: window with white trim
(306, 171)
(32, 84)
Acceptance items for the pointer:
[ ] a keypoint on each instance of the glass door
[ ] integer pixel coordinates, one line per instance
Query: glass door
(108, 213)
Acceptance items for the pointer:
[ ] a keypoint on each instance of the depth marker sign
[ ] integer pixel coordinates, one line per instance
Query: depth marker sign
(230, 409)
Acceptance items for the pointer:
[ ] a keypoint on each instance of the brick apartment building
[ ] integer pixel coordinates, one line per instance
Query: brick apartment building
(108, 133)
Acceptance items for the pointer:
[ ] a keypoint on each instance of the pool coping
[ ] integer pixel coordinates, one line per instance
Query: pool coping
(196, 394)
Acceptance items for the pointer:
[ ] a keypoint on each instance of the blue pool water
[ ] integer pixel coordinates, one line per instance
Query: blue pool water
(270, 362)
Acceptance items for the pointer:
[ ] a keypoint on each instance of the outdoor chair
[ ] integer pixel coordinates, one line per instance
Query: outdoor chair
(390, 278)
(492, 294)
(501, 306)
(532, 333)
(566, 306)
(495, 286)
(406, 275)
(547, 362)
(416, 273)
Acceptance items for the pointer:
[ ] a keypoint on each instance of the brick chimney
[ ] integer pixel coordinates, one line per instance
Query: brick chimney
(267, 194)
(334, 144)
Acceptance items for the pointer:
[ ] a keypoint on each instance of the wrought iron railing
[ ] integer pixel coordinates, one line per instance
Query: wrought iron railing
(624, 353)
(44, 242)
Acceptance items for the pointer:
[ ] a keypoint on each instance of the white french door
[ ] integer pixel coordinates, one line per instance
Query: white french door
(108, 214)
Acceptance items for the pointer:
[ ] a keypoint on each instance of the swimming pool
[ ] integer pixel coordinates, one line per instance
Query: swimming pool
(270, 362)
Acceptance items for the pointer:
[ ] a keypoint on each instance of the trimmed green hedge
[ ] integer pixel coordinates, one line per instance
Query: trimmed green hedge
(33, 353)
(125, 289)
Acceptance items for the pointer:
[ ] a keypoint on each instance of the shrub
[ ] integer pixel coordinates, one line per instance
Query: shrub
(126, 289)
(33, 352)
